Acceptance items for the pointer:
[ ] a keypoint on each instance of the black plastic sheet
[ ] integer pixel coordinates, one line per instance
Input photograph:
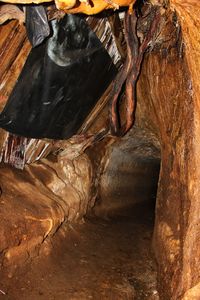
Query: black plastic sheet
(37, 26)
(60, 83)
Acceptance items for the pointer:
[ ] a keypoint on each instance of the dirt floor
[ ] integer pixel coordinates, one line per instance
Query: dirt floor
(100, 259)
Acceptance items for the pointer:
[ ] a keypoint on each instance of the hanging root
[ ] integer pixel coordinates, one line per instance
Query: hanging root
(130, 71)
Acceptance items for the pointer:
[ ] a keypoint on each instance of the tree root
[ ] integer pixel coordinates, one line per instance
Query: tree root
(130, 71)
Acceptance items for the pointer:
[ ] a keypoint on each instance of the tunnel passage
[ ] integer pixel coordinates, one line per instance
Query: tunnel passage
(130, 175)
(167, 106)
(109, 255)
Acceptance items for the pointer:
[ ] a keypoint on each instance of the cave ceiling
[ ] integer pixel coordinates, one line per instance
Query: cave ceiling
(16, 49)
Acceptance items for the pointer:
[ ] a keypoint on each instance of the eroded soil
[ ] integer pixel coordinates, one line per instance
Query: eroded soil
(100, 259)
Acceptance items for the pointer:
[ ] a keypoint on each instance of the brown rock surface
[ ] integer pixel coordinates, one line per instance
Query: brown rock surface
(96, 260)
(36, 201)
(193, 293)
(14, 49)
(168, 105)
(168, 96)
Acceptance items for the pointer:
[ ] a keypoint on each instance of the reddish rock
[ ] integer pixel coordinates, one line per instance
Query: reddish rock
(36, 201)
(168, 94)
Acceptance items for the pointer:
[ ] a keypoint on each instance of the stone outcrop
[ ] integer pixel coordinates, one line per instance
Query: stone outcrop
(168, 104)
(36, 201)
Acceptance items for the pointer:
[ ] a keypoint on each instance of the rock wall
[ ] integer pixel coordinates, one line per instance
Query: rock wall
(36, 201)
(14, 49)
(168, 93)
(50, 192)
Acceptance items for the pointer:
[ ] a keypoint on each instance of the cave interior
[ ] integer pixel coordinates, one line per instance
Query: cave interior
(99, 150)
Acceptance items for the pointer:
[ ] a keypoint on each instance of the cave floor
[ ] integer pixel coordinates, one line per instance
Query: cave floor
(100, 259)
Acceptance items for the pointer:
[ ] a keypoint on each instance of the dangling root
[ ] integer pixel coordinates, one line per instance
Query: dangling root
(130, 71)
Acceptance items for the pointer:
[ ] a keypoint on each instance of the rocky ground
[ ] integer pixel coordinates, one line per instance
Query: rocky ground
(100, 259)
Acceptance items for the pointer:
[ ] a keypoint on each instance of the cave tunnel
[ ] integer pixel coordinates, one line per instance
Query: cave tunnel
(99, 150)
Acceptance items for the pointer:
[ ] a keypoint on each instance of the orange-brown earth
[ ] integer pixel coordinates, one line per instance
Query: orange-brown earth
(100, 259)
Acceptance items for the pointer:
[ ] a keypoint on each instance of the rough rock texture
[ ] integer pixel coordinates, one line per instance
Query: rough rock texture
(193, 293)
(168, 105)
(46, 194)
(130, 174)
(36, 201)
(14, 49)
(97, 260)
(168, 94)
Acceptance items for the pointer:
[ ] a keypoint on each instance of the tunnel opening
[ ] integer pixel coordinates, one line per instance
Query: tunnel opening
(115, 179)
(131, 174)
(126, 201)
(109, 256)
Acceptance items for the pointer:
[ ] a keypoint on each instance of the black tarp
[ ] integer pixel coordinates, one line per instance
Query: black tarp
(60, 83)
(37, 26)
